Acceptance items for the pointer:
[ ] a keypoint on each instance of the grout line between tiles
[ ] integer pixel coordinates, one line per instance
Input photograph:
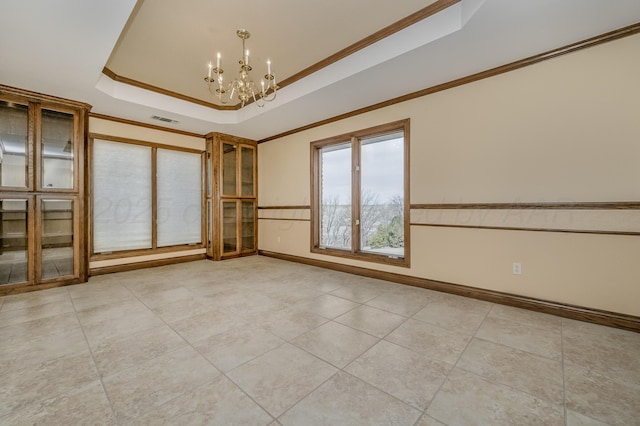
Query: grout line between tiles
(456, 363)
(95, 364)
(499, 383)
(222, 373)
(250, 397)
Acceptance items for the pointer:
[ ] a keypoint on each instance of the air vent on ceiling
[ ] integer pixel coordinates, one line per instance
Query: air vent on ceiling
(165, 119)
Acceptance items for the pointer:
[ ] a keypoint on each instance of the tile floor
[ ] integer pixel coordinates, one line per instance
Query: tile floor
(267, 342)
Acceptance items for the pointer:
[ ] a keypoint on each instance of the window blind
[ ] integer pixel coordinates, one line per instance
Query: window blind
(179, 197)
(121, 196)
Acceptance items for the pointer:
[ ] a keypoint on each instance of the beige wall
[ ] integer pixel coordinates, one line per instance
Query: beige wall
(566, 129)
(123, 130)
(113, 128)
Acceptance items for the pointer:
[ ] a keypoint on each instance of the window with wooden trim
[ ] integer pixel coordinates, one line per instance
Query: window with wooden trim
(360, 194)
(145, 197)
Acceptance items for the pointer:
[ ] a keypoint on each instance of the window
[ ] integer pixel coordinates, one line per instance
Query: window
(145, 196)
(179, 198)
(121, 196)
(360, 194)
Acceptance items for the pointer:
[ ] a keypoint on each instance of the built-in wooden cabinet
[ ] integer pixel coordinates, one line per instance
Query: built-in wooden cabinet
(42, 196)
(231, 196)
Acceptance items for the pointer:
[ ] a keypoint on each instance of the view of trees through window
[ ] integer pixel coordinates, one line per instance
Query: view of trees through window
(361, 187)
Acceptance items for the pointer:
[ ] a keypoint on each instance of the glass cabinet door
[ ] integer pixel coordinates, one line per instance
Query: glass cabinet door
(57, 150)
(229, 227)
(247, 171)
(14, 255)
(57, 251)
(229, 169)
(14, 139)
(247, 230)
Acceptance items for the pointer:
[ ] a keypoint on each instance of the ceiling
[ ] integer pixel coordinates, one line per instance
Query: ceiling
(162, 47)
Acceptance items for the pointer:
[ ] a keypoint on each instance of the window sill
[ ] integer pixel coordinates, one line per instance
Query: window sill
(364, 256)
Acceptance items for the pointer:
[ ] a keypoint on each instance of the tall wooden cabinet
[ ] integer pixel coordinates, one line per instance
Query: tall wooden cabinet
(231, 196)
(42, 191)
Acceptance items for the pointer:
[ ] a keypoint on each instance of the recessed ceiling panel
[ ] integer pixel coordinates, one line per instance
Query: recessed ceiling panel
(168, 44)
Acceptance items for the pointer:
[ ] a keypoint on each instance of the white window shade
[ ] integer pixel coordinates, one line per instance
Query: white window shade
(122, 196)
(179, 180)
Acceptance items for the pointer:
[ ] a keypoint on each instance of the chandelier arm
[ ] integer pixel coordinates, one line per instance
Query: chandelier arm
(270, 99)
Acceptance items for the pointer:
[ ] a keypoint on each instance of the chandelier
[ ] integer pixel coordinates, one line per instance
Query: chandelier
(243, 86)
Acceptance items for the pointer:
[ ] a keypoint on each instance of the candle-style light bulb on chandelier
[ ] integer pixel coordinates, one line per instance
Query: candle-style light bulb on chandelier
(243, 85)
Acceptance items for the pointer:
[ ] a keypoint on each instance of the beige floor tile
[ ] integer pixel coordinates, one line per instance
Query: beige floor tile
(577, 419)
(399, 303)
(327, 306)
(122, 326)
(207, 286)
(368, 282)
(110, 311)
(347, 400)
(611, 352)
(467, 399)
(281, 377)
(335, 343)
(235, 347)
(356, 294)
(36, 329)
(185, 308)
(428, 421)
(142, 288)
(91, 295)
(540, 341)
(32, 353)
(294, 293)
(159, 298)
(327, 284)
(147, 386)
(249, 304)
(533, 374)
(598, 397)
(372, 320)
(288, 324)
(36, 298)
(405, 374)
(87, 405)
(219, 402)
(430, 340)
(23, 388)
(525, 316)
(208, 324)
(35, 312)
(119, 353)
(455, 313)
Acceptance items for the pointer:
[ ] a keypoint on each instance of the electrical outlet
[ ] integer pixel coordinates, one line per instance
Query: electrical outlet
(278, 240)
(516, 268)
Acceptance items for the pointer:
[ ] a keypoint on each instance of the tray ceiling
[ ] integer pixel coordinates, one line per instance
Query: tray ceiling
(61, 48)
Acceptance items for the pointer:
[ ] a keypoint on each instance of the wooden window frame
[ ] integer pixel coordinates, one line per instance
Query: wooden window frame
(354, 138)
(121, 254)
